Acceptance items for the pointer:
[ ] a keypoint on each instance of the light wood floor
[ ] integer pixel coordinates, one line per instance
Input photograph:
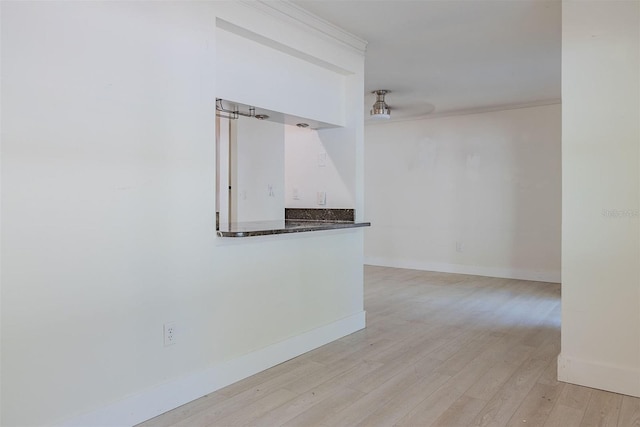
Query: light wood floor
(439, 350)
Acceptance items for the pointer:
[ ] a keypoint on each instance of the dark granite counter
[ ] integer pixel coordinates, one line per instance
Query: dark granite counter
(297, 220)
(320, 214)
(264, 228)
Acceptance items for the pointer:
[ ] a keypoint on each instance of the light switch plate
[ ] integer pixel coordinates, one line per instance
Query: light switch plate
(322, 160)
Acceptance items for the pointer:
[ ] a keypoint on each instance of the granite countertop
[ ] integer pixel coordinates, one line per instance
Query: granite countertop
(263, 228)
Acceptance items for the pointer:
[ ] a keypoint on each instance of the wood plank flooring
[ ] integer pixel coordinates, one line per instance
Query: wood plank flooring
(439, 350)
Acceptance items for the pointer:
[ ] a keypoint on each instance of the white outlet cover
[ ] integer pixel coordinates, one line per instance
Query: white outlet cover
(322, 198)
(170, 333)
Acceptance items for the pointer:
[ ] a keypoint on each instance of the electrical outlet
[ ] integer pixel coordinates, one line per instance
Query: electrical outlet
(322, 198)
(170, 333)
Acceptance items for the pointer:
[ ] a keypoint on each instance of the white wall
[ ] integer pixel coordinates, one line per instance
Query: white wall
(601, 195)
(257, 170)
(283, 82)
(319, 92)
(108, 218)
(477, 194)
(318, 161)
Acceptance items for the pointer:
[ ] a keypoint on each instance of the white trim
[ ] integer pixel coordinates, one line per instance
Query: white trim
(164, 397)
(505, 273)
(618, 379)
(292, 13)
(467, 111)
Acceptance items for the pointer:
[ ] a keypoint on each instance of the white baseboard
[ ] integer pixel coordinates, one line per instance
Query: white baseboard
(160, 399)
(618, 379)
(506, 273)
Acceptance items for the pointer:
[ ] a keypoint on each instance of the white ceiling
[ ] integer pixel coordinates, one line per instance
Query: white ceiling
(442, 57)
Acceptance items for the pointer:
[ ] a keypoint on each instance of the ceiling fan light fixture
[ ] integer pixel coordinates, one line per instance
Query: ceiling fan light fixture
(380, 109)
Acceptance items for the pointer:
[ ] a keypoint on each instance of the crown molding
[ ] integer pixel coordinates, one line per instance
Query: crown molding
(292, 13)
(467, 111)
